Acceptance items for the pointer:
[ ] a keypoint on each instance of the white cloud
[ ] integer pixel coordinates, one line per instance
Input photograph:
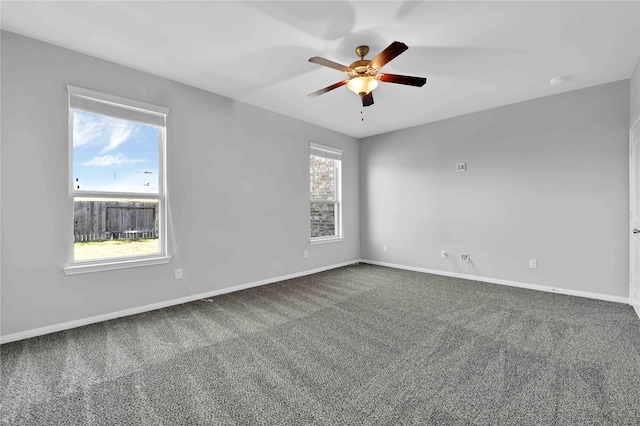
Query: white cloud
(120, 132)
(86, 130)
(113, 160)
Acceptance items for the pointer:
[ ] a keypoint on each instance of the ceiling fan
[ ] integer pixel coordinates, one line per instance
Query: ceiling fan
(363, 74)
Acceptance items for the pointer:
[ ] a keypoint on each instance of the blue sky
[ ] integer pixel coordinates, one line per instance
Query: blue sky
(110, 154)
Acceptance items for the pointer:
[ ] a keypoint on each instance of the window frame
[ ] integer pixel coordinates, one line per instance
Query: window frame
(136, 108)
(335, 154)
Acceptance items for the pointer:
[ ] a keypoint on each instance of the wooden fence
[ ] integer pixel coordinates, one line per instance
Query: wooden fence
(108, 220)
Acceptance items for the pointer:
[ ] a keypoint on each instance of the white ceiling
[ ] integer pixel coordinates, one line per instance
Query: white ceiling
(475, 55)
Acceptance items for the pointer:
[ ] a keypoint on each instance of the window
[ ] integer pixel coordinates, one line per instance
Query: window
(117, 210)
(326, 207)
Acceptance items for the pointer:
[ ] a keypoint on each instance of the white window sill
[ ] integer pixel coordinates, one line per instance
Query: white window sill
(109, 266)
(324, 240)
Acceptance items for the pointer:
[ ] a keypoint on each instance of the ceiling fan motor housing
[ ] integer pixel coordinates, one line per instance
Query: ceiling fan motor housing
(360, 66)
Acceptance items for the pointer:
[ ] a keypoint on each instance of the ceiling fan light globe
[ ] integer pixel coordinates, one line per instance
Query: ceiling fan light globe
(362, 85)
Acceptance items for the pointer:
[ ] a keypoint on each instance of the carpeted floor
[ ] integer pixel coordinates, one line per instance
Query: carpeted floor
(356, 345)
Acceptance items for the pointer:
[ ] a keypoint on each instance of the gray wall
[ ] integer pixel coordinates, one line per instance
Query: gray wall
(238, 186)
(634, 110)
(547, 179)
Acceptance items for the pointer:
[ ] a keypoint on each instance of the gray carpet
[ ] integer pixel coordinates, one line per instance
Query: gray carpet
(356, 345)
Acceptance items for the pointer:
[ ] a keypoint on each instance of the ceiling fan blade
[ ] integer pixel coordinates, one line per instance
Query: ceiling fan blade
(393, 50)
(403, 79)
(328, 88)
(327, 63)
(367, 100)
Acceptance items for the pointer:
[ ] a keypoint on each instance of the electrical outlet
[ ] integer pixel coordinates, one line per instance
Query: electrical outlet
(533, 263)
(306, 253)
(443, 254)
(384, 247)
(178, 274)
(464, 257)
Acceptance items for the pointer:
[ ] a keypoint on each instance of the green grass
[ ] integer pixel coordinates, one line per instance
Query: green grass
(114, 248)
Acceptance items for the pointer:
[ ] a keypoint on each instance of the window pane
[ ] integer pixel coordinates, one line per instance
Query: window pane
(111, 228)
(323, 179)
(115, 155)
(323, 220)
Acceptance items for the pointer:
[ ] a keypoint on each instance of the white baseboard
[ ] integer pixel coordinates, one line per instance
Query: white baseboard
(634, 299)
(154, 306)
(637, 309)
(548, 289)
